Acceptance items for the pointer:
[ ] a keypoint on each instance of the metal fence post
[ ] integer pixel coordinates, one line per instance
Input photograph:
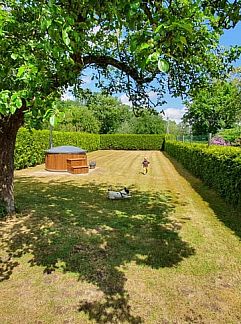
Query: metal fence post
(209, 138)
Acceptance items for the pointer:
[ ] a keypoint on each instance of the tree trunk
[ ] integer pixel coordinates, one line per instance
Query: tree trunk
(9, 126)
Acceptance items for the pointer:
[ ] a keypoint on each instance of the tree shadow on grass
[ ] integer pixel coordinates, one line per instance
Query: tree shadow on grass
(226, 213)
(77, 229)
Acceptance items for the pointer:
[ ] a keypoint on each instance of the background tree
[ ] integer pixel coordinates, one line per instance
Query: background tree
(77, 118)
(147, 123)
(215, 108)
(45, 46)
(108, 110)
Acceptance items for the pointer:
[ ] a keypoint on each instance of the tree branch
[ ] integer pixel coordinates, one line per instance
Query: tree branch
(148, 13)
(103, 61)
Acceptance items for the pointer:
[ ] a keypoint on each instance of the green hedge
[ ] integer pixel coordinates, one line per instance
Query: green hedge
(31, 145)
(30, 148)
(219, 167)
(131, 142)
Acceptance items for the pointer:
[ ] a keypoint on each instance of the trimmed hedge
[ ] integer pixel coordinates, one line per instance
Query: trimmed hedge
(31, 145)
(219, 167)
(30, 148)
(131, 142)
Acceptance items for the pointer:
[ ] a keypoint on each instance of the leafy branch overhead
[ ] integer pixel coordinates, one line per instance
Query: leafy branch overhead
(46, 46)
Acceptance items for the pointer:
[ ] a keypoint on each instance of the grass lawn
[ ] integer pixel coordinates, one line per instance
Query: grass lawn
(170, 254)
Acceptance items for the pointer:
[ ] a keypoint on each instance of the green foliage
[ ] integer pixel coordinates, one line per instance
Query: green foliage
(214, 108)
(77, 118)
(31, 145)
(89, 142)
(231, 134)
(108, 110)
(219, 167)
(115, 117)
(46, 46)
(30, 148)
(131, 142)
(145, 124)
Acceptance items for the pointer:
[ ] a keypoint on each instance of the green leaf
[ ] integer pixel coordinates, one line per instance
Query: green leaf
(153, 57)
(163, 65)
(183, 40)
(14, 56)
(18, 102)
(21, 71)
(65, 37)
(46, 23)
(161, 26)
(12, 109)
(144, 46)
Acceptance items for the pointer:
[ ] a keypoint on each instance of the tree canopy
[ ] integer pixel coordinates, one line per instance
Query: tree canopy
(46, 45)
(98, 113)
(215, 108)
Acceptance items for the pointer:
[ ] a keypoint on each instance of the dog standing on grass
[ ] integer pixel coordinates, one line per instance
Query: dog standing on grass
(123, 194)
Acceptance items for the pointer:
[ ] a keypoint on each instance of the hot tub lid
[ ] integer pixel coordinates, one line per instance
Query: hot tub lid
(66, 149)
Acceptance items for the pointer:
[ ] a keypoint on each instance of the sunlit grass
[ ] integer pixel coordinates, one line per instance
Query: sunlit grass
(168, 255)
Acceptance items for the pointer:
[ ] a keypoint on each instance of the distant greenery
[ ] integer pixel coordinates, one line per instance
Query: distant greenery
(98, 113)
(214, 108)
(231, 134)
(145, 124)
(77, 118)
(108, 110)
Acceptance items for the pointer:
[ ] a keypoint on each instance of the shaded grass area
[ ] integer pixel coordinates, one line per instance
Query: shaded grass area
(227, 214)
(75, 229)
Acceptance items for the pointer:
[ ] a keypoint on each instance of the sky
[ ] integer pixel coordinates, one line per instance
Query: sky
(174, 108)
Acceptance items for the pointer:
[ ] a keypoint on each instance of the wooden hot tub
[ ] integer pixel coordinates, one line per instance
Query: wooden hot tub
(56, 157)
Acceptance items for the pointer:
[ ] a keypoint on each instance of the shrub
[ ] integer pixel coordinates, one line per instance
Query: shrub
(230, 134)
(131, 142)
(30, 148)
(31, 145)
(217, 140)
(236, 142)
(89, 142)
(219, 167)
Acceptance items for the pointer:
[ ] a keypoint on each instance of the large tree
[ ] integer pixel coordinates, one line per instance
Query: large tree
(74, 117)
(215, 108)
(108, 110)
(147, 123)
(138, 45)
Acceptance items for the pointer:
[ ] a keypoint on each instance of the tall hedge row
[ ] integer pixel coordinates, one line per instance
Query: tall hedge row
(131, 142)
(31, 145)
(219, 167)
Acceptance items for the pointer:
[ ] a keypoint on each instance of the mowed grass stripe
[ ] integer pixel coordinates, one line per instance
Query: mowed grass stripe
(170, 254)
